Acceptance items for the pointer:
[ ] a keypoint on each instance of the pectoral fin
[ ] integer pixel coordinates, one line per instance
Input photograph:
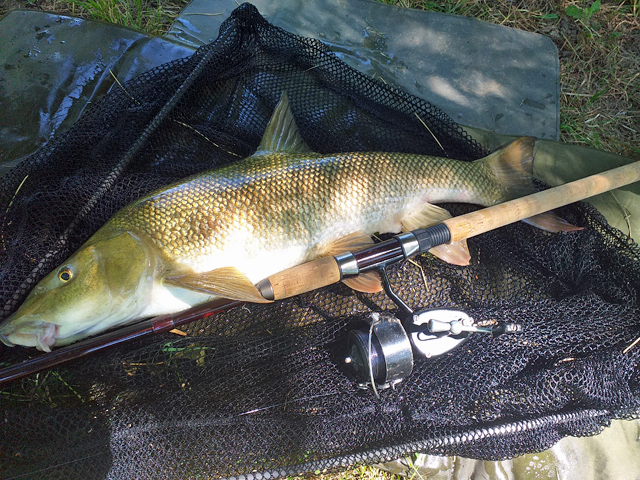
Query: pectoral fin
(227, 282)
(456, 253)
(367, 282)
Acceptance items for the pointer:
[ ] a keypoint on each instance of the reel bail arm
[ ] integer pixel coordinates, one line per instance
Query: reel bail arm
(382, 355)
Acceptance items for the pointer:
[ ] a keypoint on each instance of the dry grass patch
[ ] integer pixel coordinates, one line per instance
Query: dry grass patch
(600, 72)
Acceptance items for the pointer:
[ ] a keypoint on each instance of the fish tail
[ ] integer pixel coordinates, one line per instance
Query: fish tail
(512, 168)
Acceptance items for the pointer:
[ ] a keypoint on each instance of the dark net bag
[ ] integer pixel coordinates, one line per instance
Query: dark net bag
(262, 390)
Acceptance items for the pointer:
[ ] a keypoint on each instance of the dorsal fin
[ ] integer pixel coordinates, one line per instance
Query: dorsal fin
(281, 134)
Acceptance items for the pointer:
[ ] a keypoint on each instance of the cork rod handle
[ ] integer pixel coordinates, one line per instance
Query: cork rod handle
(325, 271)
(304, 278)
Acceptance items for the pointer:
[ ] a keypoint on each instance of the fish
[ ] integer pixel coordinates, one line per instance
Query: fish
(218, 233)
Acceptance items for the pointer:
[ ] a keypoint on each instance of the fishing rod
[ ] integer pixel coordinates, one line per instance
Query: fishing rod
(327, 270)
(394, 363)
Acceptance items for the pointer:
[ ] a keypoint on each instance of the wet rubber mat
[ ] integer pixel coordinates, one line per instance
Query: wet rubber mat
(52, 67)
(483, 75)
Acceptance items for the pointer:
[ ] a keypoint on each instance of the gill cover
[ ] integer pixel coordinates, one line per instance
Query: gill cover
(99, 286)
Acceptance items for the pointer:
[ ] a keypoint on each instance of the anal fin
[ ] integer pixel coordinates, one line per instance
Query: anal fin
(227, 282)
(551, 222)
(456, 253)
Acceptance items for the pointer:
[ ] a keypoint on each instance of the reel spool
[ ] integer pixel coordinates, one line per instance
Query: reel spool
(382, 355)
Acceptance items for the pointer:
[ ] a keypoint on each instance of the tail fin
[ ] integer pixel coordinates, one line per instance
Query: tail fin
(512, 167)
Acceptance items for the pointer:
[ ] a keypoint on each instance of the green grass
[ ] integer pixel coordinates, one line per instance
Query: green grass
(151, 16)
(362, 472)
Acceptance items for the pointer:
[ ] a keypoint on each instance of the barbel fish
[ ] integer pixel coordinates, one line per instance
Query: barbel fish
(218, 233)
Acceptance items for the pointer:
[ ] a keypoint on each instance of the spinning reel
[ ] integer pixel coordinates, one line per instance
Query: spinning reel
(382, 355)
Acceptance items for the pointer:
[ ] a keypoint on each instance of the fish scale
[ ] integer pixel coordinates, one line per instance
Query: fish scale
(303, 195)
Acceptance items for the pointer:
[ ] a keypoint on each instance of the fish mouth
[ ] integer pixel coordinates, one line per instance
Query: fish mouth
(42, 336)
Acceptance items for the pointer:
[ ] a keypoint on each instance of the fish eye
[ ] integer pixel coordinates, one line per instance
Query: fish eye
(65, 274)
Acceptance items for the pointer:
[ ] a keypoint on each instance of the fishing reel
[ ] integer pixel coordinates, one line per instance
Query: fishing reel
(382, 355)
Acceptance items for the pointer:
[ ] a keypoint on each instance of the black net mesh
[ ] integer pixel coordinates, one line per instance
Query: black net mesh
(263, 391)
